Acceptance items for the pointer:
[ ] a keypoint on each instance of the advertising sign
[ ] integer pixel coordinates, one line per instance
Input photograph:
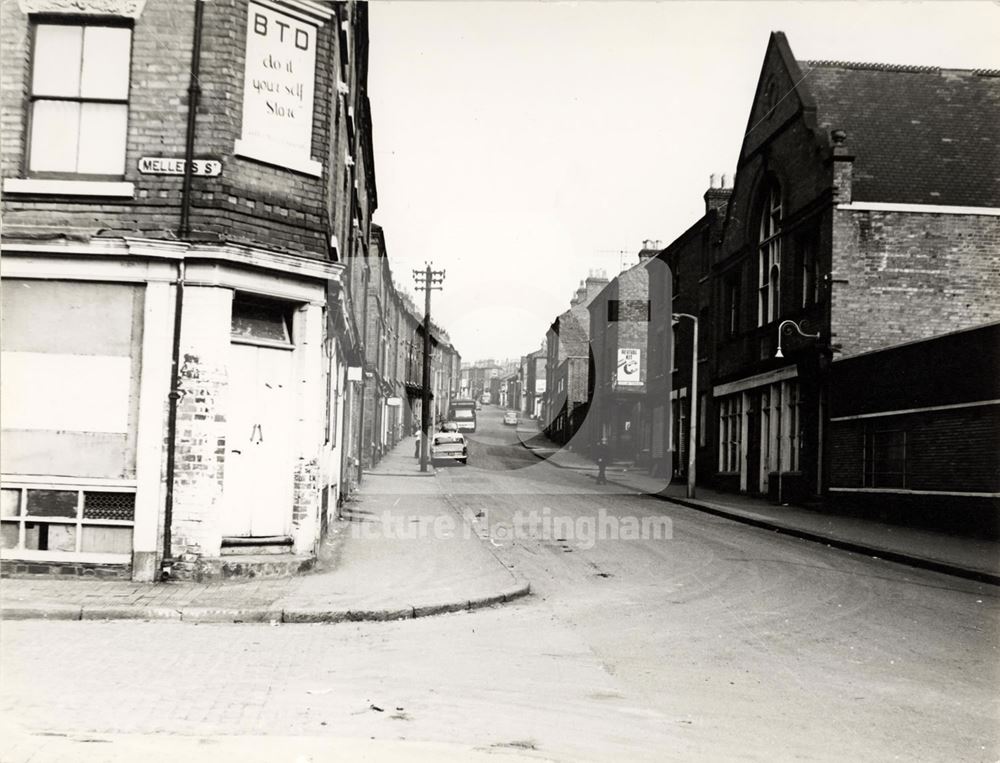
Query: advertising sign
(278, 88)
(628, 367)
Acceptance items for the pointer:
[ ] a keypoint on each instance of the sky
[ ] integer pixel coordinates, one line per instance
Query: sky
(520, 145)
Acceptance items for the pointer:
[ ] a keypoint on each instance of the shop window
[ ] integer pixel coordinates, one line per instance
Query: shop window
(79, 99)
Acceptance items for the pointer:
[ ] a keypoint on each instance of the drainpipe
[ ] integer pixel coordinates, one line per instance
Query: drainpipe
(174, 397)
(194, 93)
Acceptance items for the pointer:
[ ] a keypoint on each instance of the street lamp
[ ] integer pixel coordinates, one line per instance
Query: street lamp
(693, 394)
(794, 325)
(778, 354)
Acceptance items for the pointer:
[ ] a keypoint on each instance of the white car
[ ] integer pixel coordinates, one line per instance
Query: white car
(449, 446)
(510, 418)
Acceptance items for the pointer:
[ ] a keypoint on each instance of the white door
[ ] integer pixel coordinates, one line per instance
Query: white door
(258, 481)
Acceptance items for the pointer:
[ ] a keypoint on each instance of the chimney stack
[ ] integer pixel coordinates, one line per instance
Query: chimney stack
(650, 248)
(843, 167)
(717, 198)
(596, 281)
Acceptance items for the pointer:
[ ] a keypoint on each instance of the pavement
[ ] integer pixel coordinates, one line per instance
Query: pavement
(400, 551)
(970, 558)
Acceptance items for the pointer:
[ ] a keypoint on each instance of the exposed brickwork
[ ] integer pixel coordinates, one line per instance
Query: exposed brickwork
(250, 203)
(903, 276)
(306, 501)
(200, 457)
(13, 568)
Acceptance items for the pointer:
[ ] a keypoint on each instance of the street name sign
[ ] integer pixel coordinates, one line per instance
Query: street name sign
(165, 165)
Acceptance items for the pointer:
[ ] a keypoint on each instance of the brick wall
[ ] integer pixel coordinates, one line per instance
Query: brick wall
(250, 202)
(903, 276)
(946, 450)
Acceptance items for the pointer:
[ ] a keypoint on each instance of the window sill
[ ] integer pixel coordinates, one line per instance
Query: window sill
(39, 186)
(90, 557)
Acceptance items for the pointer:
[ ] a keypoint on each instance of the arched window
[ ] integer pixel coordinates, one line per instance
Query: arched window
(769, 259)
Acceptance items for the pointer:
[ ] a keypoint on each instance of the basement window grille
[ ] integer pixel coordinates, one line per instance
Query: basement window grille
(67, 523)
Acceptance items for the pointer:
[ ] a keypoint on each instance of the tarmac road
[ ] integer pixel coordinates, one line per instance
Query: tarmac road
(719, 641)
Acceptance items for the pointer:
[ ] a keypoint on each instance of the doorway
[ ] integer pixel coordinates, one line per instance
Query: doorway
(258, 483)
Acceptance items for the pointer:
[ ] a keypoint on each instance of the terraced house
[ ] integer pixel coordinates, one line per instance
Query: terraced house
(187, 199)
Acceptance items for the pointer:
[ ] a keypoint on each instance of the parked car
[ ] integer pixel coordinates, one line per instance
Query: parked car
(449, 426)
(510, 418)
(449, 446)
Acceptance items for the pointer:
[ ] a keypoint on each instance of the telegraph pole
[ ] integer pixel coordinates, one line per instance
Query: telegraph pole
(427, 280)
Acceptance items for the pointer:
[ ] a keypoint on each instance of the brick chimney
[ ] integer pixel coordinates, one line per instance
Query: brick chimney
(650, 248)
(579, 295)
(595, 283)
(843, 167)
(717, 198)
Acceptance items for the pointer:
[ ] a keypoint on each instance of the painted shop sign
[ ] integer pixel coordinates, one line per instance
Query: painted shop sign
(163, 165)
(279, 84)
(629, 366)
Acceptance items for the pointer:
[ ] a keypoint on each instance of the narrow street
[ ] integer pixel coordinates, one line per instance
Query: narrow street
(722, 641)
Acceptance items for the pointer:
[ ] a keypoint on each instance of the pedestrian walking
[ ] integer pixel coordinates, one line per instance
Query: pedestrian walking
(601, 453)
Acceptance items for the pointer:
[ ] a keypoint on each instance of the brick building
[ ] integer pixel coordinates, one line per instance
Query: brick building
(866, 210)
(533, 390)
(393, 369)
(685, 278)
(567, 351)
(619, 356)
(187, 200)
(919, 443)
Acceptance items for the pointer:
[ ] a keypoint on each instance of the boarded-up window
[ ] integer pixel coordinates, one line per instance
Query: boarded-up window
(70, 377)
